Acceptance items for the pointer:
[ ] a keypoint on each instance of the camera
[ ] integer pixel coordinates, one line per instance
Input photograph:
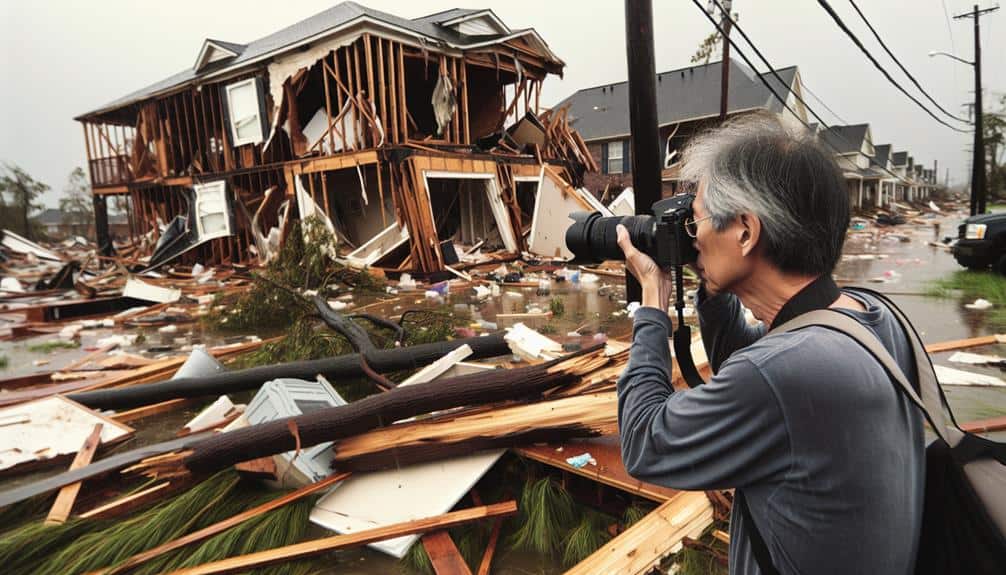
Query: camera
(662, 236)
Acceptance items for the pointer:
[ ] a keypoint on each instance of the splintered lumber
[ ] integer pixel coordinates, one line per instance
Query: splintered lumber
(132, 501)
(226, 524)
(965, 343)
(324, 545)
(487, 557)
(330, 424)
(341, 367)
(641, 547)
(444, 554)
(985, 425)
(578, 415)
(68, 494)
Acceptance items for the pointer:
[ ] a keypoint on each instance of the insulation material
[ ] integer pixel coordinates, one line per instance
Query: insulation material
(444, 102)
(49, 428)
(137, 289)
(556, 200)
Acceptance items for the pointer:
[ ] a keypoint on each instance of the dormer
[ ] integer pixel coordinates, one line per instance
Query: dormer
(478, 23)
(215, 51)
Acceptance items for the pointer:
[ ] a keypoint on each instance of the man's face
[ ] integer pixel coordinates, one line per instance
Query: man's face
(721, 262)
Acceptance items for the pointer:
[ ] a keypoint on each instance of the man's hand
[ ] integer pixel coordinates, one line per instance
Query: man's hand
(655, 283)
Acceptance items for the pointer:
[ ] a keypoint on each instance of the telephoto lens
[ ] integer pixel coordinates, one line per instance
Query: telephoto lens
(593, 239)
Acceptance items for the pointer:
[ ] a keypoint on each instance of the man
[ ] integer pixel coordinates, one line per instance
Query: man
(822, 446)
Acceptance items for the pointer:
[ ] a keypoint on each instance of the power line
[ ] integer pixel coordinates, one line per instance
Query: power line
(819, 100)
(838, 21)
(898, 62)
(782, 100)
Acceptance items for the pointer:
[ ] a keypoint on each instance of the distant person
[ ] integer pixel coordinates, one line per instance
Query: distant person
(822, 446)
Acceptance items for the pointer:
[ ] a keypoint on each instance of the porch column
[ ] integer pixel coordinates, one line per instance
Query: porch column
(101, 225)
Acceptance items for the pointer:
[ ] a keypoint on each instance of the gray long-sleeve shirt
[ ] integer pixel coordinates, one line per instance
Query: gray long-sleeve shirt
(828, 453)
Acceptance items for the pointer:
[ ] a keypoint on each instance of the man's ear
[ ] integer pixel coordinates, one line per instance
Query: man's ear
(749, 233)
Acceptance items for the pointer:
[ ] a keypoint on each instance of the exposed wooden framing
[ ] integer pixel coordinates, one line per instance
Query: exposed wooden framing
(487, 558)
(383, 85)
(393, 83)
(371, 91)
(324, 193)
(380, 193)
(324, 545)
(67, 495)
(464, 103)
(402, 94)
(335, 162)
(187, 124)
(87, 150)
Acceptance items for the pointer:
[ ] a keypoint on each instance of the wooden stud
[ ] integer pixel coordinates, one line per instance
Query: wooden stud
(358, 81)
(382, 81)
(403, 96)
(380, 193)
(444, 554)
(370, 79)
(393, 85)
(68, 494)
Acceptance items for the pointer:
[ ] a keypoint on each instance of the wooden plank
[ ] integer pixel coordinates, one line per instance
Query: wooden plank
(402, 95)
(324, 545)
(226, 524)
(148, 410)
(609, 470)
(68, 494)
(641, 547)
(382, 82)
(965, 343)
(444, 554)
(487, 557)
(130, 502)
(464, 103)
(393, 96)
(985, 425)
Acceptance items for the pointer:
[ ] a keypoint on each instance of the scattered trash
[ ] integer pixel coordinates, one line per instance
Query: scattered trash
(581, 461)
(979, 304)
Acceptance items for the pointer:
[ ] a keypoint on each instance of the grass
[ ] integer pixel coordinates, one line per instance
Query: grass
(51, 346)
(546, 515)
(4, 361)
(557, 307)
(968, 286)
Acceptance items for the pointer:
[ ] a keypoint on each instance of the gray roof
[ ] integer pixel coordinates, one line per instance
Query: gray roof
(336, 16)
(883, 152)
(685, 94)
(900, 158)
(233, 47)
(845, 139)
(49, 217)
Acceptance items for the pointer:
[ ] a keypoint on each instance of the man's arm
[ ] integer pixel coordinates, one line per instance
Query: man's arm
(726, 433)
(723, 327)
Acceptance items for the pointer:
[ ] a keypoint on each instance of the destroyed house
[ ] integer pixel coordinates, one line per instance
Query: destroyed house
(410, 139)
(688, 101)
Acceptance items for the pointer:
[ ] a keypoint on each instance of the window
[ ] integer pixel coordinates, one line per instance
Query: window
(615, 155)
(212, 210)
(245, 113)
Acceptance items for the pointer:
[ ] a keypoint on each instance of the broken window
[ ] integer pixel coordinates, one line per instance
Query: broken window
(615, 154)
(244, 102)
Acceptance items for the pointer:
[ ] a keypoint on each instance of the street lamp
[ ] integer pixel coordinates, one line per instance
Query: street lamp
(933, 53)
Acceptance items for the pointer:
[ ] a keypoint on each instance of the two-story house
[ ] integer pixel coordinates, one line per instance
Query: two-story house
(404, 136)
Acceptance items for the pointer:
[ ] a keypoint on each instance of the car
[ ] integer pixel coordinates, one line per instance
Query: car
(981, 242)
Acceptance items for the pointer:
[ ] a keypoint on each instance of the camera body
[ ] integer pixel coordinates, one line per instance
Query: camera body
(662, 236)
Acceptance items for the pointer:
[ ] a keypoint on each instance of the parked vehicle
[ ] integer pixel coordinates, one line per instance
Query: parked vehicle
(981, 242)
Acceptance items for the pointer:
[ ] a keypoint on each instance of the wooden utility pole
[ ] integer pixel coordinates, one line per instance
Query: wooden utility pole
(978, 192)
(645, 140)
(726, 23)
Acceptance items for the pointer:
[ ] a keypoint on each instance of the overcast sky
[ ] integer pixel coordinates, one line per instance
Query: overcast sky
(62, 58)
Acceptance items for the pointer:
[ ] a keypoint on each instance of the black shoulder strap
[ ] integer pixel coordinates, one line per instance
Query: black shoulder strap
(758, 547)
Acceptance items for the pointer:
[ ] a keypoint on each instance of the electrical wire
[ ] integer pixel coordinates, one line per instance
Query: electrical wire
(806, 88)
(898, 62)
(771, 89)
(838, 21)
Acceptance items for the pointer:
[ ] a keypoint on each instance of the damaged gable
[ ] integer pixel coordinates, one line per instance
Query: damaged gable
(215, 51)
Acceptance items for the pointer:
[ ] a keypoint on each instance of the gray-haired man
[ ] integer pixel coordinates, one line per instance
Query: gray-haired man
(826, 452)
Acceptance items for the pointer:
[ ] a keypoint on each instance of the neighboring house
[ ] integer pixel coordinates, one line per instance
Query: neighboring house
(888, 183)
(688, 100)
(58, 227)
(377, 124)
(856, 156)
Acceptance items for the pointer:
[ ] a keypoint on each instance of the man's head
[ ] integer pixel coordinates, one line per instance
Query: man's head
(769, 197)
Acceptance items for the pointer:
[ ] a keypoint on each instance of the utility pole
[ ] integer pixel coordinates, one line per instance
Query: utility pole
(978, 191)
(645, 141)
(726, 23)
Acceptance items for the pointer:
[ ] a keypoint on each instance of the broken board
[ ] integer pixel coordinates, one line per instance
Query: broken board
(47, 429)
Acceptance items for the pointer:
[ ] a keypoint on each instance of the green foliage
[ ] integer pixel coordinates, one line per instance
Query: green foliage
(546, 515)
(53, 345)
(634, 512)
(695, 562)
(588, 536)
(557, 307)
(76, 202)
(4, 361)
(969, 286)
(548, 329)
(275, 301)
(416, 560)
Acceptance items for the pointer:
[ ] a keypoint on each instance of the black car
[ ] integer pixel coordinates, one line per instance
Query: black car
(981, 242)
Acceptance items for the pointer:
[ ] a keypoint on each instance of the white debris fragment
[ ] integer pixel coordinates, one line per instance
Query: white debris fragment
(979, 304)
(168, 329)
(482, 292)
(406, 282)
(11, 284)
(632, 307)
